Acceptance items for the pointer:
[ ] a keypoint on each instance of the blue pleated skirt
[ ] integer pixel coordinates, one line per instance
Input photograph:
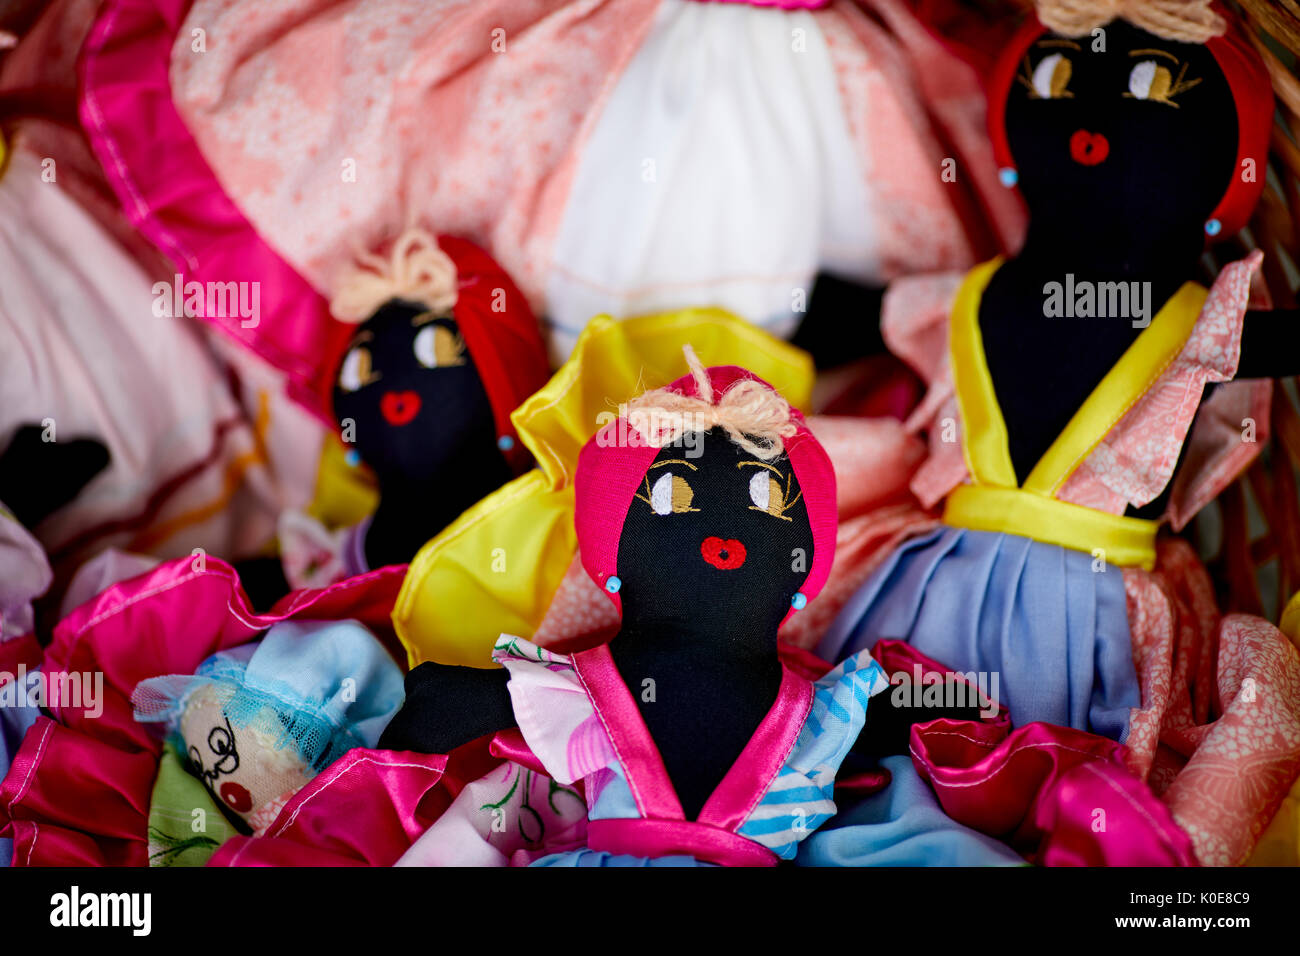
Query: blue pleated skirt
(1046, 620)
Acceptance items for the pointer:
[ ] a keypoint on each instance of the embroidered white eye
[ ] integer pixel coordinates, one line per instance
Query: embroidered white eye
(661, 495)
(670, 494)
(437, 346)
(356, 370)
(768, 494)
(1052, 76)
(760, 489)
(425, 342)
(1150, 81)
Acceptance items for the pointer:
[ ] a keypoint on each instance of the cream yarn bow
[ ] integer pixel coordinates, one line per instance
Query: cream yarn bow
(1182, 21)
(416, 270)
(754, 416)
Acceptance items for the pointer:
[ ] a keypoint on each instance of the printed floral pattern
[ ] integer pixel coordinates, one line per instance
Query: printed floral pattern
(1136, 459)
(1218, 733)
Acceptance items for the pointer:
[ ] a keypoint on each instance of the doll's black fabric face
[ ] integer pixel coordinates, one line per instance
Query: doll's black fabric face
(714, 538)
(1143, 134)
(409, 386)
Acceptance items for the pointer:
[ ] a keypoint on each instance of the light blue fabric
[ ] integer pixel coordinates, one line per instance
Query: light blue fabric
(14, 724)
(1053, 629)
(331, 684)
(801, 798)
(902, 825)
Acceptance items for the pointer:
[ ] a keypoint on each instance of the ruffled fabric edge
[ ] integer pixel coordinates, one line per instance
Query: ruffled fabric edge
(79, 788)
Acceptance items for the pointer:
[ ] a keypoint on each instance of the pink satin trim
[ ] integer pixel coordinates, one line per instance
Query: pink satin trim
(365, 809)
(23, 650)
(659, 838)
(763, 757)
(175, 200)
(79, 789)
(900, 657)
(510, 745)
(656, 798)
(778, 4)
(802, 661)
(72, 800)
(647, 777)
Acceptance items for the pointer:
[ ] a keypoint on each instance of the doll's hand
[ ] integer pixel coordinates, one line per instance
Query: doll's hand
(38, 477)
(888, 726)
(447, 706)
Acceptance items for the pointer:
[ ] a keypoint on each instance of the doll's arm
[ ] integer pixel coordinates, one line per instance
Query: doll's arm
(447, 706)
(39, 476)
(888, 727)
(842, 323)
(1270, 344)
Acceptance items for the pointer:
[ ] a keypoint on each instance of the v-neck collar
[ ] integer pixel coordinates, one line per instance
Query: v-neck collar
(745, 782)
(984, 431)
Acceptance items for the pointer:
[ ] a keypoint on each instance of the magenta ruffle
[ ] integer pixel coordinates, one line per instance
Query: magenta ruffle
(173, 198)
(78, 791)
(1062, 797)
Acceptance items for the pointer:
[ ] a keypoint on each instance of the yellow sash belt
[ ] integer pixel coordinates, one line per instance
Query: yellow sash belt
(1118, 539)
(993, 502)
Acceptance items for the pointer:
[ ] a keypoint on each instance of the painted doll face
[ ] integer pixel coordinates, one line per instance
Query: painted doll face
(410, 388)
(240, 766)
(1144, 132)
(715, 536)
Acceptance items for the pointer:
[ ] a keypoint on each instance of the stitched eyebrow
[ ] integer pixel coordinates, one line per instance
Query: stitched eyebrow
(1053, 42)
(761, 464)
(359, 338)
(1156, 52)
(424, 318)
(673, 461)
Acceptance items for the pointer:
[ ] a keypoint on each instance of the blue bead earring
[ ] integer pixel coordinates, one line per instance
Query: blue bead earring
(1008, 176)
(352, 457)
(613, 584)
(798, 601)
(505, 443)
(1213, 227)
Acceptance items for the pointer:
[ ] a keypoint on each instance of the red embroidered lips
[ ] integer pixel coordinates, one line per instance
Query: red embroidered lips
(725, 555)
(399, 407)
(236, 797)
(1087, 148)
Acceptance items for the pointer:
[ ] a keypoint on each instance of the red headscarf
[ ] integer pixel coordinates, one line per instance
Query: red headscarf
(502, 336)
(1252, 92)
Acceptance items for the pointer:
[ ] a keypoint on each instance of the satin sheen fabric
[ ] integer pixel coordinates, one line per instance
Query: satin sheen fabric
(79, 788)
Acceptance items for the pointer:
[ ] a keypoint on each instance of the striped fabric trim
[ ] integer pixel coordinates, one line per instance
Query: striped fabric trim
(800, 799)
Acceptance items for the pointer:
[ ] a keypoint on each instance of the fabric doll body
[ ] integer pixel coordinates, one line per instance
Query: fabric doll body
(266, 774)
(1056, 464)
(693, 740)
(981, 598)
(1059, 444)
(410, 394)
